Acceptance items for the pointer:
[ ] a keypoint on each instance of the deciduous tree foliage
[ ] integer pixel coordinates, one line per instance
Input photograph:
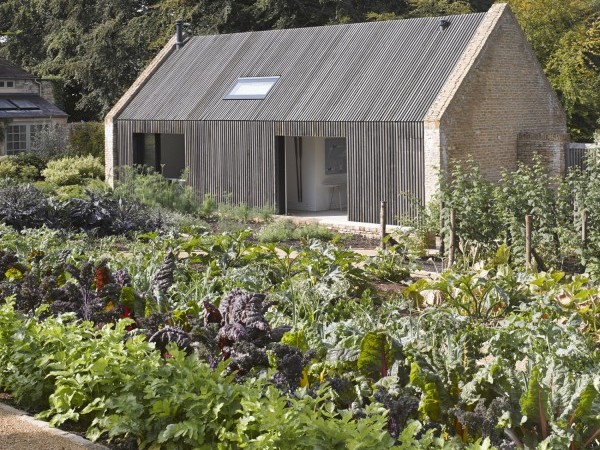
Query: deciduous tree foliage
(99, 47)
(566, 38)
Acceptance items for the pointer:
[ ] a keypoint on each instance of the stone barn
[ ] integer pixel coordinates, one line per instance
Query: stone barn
(342, 116)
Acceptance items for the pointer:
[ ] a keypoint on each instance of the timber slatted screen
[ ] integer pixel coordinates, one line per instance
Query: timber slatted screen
(237, 159)
(385, 162)
(575, 155)
(322, 129)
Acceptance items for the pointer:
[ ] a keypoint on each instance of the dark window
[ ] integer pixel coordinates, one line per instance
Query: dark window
(16, 139)
(335, 156)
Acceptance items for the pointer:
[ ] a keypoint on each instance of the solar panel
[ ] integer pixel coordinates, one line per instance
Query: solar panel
(6, 105)
(24, 104)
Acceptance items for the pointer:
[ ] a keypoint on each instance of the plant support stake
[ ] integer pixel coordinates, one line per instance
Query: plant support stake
(528, 223)
(442, 233)
(452, 244)
(584, 230)
(382, 223)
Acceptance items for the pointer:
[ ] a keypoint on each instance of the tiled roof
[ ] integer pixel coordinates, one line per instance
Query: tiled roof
(14, 106)
(9, 70)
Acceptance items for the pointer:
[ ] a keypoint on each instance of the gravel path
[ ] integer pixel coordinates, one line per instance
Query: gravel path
(22, 432)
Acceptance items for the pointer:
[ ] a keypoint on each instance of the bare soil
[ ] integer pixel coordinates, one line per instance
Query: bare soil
(19, 432)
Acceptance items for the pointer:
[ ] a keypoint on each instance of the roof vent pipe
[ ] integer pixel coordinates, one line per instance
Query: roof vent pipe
(179, 32)
(444, 24)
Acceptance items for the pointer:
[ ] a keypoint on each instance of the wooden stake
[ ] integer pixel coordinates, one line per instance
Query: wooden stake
(584, 228)
(528, 226)
(442, 233)
(382, 223)
(452, 244)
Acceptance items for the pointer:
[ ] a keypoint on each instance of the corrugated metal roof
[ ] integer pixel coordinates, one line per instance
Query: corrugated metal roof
(377, 71)
(11, 71)
(44, 107)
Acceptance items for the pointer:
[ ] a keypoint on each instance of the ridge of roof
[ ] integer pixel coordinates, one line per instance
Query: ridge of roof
(372, 23)
(471, 54)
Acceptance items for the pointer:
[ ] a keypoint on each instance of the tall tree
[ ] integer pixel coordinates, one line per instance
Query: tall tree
(565, 36)
(574, 71)
(424, 8)
(99, 46)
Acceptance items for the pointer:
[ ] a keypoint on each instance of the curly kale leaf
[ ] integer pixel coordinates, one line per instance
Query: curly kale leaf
(401, 409)
(246, 309)
(229, 335)
(245, 357)
(482, 421)
(290, 364)
(171, 335)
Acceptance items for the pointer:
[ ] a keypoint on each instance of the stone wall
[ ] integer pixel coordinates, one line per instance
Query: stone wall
(26, 87)
(504, 95)
(550, 147)
(496, 93)
(47, 91)
(59, 122)
(43, 88)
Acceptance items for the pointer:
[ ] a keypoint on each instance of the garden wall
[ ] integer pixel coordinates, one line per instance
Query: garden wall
(550, 146)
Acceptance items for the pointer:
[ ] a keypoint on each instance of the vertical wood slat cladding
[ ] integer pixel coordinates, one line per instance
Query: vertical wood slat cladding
(322, 129)
(236, 159)
(385, 162)
(230, 160)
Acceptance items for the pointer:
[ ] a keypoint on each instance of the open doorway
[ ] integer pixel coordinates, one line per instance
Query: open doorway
(163, 152)
(311, 175)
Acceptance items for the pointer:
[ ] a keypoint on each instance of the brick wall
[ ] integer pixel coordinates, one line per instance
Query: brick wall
(504, 95)
(550, 147)
(110, 149)
(497, 92)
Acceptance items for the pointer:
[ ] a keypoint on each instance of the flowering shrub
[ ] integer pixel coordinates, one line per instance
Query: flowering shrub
(73, 170)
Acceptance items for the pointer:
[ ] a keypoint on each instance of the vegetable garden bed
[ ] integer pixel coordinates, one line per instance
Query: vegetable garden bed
(241, 345)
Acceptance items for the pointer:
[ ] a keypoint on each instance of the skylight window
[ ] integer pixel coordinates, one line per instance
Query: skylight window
(17, 104)
(251, 88)
(24, 104)
(6, 105)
